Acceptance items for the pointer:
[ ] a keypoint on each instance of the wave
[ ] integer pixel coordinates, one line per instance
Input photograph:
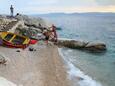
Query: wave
(5, 82)
(76, 75)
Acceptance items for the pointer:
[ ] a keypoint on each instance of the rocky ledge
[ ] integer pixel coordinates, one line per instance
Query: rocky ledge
(90, 46)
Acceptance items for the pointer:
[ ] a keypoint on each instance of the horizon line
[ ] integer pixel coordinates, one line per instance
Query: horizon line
(60, 13)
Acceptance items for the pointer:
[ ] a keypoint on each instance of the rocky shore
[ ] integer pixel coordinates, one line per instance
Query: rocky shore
(42, 67)
(29, 26)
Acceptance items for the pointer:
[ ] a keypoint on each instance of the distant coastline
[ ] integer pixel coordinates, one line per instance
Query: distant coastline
(74, 14)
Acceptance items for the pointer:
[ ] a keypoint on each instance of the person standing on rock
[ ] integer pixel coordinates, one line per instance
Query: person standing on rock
(53, 31)
(11, 10)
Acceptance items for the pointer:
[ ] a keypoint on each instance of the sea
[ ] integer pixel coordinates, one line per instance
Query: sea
(95, 69)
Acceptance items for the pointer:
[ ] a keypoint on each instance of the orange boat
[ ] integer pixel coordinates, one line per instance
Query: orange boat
(13, 40)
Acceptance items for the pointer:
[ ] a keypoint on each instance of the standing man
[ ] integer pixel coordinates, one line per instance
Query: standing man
(54, 32)
(11, 10)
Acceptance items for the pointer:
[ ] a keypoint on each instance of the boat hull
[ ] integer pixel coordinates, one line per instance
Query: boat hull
(16, 41)
(10, 45)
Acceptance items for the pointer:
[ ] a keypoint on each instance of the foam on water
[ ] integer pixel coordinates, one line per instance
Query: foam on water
(75, 73)
(5, 82)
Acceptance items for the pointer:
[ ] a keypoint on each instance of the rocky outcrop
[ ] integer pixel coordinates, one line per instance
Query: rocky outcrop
(90, 46)
(31, 21)
(72, 44)
(10, 25)
(96, 46)
(6, 23)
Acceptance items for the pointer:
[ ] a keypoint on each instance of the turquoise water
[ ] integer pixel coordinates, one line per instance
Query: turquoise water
(101, 67)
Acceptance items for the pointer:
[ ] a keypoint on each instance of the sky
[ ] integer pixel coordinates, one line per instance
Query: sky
(52, 6)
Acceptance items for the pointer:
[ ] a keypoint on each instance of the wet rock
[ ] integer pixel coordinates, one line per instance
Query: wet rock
(80, 78)
(96, 46)
(72, 44)
(90, 46)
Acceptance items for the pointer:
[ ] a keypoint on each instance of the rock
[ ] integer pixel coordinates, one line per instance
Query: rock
(96, 46)
(72, 44)
(90, 46)
(80, 78)
(1, 28)
(31, 21)
(3, 60)
(32, 49)
(18, 51)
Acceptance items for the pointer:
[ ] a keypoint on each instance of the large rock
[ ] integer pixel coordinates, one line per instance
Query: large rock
(96, 46)
(72, 44)
(90, 46)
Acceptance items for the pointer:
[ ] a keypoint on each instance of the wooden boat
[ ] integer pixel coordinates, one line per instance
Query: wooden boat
(13, 40)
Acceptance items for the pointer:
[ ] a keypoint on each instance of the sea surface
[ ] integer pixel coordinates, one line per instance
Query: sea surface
(97, 69)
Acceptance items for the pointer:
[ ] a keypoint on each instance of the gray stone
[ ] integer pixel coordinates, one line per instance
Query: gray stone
(91, 46)
(96, 46)
(31, 21)
(3, 60)
(72, 43)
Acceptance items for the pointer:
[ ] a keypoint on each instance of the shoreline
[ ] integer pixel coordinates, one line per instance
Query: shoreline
(43, 67)
(77, 76)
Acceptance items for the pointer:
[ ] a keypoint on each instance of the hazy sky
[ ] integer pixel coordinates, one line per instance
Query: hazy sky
(47, 6)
